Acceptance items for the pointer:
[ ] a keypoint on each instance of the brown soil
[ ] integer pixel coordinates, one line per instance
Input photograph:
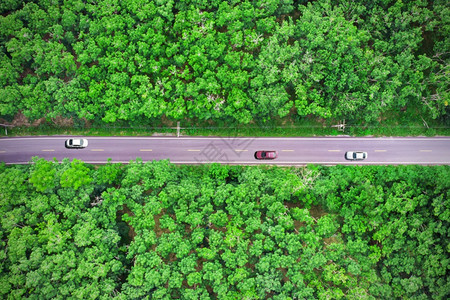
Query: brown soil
(158, 230)
(298, 224)
(293, 204)
(20, 120)
(200, 262)
(167, 122)
(330, 240)
(317, 211)
(62, 122)
(38, 122)
(120, 213)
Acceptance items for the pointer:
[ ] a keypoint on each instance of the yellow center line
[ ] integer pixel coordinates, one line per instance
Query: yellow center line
(425, 150)
(48, 150)
(194, 150)
(97, 150)
(145, 150)
(240, 150)
(380, 150)
(287, 150)
(334, 150)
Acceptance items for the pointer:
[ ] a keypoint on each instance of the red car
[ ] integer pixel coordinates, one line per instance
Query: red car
(266, 154)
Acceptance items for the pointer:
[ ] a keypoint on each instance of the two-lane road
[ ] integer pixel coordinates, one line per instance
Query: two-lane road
(192, 150)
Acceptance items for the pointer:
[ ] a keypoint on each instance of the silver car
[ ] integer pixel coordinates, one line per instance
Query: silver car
(355, 155)
(76, 143)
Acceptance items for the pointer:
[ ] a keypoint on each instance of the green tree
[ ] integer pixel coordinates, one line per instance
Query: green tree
(76, 176)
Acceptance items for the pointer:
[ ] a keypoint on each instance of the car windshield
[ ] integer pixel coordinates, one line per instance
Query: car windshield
(263, 154)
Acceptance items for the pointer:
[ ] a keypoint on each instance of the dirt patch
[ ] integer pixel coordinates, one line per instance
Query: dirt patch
(47, 37)
(287, 121)
(291, 205)
(200, 262)
(20, 120)
(317, 211)
(330, 240)
(298, 224)
(165, 121)
(87, 123)
(223, 229)
(172, 257)
(158, 230)
(62, 122)
(94, 63)
(38, 122)
(119, 214)
(26, 71)
(283, 271)
(250, 266)
(381, 118)
(163, 134)
(322, 121)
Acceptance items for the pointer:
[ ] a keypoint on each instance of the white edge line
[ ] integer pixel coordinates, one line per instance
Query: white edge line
(266, 163)
(234, 138)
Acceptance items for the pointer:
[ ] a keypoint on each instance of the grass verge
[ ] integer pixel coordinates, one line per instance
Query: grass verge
(277, 128)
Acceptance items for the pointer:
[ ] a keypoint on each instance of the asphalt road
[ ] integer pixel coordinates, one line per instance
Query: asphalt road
(192, 150)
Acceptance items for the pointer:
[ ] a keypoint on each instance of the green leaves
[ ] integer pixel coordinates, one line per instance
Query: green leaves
(159, 230)
(238, 61)
(76, 176)
(43, 175)
(51, 252)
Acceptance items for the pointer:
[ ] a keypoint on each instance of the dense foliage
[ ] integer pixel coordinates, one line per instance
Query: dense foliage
(229, 232)
(136, 61)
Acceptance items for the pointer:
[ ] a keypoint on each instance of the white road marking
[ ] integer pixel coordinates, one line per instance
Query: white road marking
(334, 150)
(380, 150)
(267, 162)
(48, 150)
(240, 150)
(287, 150)
(194, 150)
(97, 150)
(287, 163)
(234, 138)
(2, 151)
(145, 150)
(425, 150)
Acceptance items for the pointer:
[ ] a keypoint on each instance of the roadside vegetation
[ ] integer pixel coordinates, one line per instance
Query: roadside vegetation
(94, 64)
(69, 229)
(301, 127)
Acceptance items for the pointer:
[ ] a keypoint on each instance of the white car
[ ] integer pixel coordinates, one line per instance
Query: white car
(76, 143)
(355, 155)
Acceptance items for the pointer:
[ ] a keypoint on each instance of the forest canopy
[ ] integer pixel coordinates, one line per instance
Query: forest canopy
(158, 230)
(137, 61)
